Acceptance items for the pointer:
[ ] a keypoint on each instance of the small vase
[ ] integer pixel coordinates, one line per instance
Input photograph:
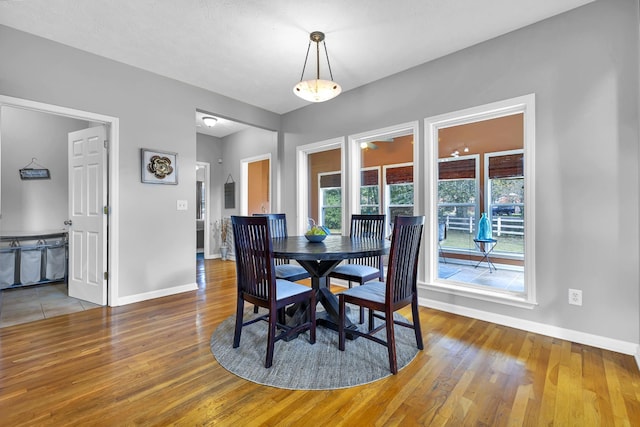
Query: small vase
(224, 250)
(484, 228)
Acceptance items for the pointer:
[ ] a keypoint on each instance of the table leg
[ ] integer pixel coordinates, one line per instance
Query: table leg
(486, 254)
(319, 281)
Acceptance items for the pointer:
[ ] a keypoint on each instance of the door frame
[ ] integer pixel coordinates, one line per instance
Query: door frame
(207, 215)
(112, 124)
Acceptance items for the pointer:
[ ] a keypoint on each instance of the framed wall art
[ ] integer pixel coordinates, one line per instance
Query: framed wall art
(159, 167)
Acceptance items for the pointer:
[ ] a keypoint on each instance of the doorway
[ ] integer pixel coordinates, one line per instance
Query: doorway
(256, 185)
(111, 124)
(203, 208)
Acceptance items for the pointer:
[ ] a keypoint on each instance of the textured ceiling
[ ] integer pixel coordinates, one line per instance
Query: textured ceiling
(253, 50)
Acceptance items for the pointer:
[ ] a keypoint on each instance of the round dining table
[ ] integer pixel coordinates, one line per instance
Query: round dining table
(319, 259)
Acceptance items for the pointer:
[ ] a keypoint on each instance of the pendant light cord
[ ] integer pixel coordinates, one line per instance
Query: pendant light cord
(305, 61)
(306, 58)
(326, 52)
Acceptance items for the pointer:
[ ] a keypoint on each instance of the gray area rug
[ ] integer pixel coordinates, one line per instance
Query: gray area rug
(298, 365)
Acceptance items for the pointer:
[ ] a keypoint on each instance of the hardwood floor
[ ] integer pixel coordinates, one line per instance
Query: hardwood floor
(149, 364)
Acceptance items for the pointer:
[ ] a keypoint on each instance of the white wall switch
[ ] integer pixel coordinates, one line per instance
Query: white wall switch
(182, 205)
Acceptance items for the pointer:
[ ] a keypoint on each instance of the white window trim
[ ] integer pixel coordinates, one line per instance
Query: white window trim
(523, 104)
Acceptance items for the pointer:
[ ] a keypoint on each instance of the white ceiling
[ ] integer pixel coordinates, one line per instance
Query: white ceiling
(253, 50)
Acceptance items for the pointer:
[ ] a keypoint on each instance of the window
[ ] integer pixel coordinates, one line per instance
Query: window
(330, 202)
(458, 201)
(389, 152)
(399, 190)
(370, 191)
(505, 175)
(319, 185)
(497, 139)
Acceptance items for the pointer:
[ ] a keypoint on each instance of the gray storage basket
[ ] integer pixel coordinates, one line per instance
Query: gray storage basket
(30, 265)
(7, 267)
(56, 266)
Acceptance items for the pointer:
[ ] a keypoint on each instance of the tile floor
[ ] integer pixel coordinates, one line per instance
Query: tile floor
(30, 303)
(510, 280)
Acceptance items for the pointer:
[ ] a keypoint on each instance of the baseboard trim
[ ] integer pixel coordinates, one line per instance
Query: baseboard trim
(605, 343)
(156, 294)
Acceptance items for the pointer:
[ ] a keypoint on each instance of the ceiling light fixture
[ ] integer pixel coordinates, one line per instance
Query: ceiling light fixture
(209, 121)
(317, 90)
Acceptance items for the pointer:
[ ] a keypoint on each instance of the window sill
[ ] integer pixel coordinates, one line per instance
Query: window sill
(498, 297)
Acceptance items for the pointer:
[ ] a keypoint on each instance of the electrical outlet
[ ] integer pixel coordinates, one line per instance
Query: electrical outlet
(182, 205)
(575, 297)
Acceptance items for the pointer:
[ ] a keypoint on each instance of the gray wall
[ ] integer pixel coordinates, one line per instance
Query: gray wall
(583, 68)
(34, 205)
(156, 248)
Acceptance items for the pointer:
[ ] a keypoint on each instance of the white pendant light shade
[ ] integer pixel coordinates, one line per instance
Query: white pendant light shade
(317, 90)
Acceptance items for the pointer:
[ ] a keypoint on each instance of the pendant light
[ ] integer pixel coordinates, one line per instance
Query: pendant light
(317, 90)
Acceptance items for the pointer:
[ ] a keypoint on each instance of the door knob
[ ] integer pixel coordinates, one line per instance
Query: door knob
(68, 222)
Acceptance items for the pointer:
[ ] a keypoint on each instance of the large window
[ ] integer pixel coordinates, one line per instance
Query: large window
(381, 174)
(320, 186)
(482, 161)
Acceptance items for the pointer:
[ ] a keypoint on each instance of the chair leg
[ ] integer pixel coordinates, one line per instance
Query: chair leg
(391, 343)
(341, 319)
(370, 319)
(239, 320)
(416, 322)
(361, 308)
(271, 336)
(255, 308)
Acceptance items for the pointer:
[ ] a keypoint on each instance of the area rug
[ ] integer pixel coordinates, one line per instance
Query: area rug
(444, 271)
(298, 365)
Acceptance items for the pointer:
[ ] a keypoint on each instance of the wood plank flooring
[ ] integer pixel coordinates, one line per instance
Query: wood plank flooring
(149, 364)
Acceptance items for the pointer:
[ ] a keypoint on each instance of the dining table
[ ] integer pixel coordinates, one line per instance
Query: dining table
(319, 259)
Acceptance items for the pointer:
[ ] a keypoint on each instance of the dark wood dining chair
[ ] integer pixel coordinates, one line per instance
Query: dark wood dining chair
(399, 290)
(258, 285)
(284, 269)
(365, 269)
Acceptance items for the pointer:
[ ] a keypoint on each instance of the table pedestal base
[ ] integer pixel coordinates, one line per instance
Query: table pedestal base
(329, 318)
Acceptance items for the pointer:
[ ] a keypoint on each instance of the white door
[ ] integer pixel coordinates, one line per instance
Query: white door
(88, 225)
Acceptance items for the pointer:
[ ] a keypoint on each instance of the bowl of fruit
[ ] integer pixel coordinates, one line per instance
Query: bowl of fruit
(317, 233)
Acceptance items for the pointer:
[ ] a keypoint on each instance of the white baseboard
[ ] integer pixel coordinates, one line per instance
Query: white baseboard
(156, 294)
(605, 343)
